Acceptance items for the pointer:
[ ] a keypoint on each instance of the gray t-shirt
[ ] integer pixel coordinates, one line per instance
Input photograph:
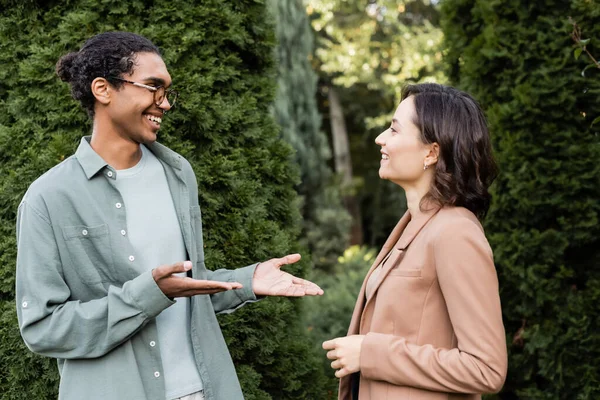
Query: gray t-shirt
(155, 234)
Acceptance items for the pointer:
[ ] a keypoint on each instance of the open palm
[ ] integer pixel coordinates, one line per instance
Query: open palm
(270, 280)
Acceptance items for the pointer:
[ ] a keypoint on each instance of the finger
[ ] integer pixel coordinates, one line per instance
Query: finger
(310, 291)
(332, 355)
(299, 291)
(208, 287)
(329, 344)
(200, 284)
(336, 364)
(190, 293)
(341, 373)
(313, 292)
(310, 287)
(163, 271)
(289, 259)
(295, 291)
(182, 266)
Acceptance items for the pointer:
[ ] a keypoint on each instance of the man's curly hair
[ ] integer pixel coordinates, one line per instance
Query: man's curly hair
(109, 54)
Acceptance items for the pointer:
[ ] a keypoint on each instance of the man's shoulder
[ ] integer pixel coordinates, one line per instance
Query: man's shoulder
(60, 177)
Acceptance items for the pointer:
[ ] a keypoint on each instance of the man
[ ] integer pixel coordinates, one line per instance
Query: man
(102, 282)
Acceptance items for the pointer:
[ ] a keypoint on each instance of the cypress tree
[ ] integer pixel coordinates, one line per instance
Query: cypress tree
(517, 59)
(326, 223)
(220, 56)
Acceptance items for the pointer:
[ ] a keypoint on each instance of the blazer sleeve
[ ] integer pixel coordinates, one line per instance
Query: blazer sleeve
(469, 284)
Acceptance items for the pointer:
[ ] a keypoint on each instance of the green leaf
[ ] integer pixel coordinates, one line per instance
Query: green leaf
(583, 42)
(597, 119)
(577, 53)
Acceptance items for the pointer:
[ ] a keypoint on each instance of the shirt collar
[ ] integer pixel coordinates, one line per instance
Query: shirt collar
(165, 154)
(92, 163)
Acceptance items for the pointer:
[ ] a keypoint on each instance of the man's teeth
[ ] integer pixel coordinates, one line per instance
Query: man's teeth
(385, 157)
(158, 120)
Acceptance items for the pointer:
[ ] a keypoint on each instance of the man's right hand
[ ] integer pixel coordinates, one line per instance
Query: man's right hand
(176, 286)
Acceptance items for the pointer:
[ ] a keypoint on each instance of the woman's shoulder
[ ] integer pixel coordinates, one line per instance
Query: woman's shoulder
(456, 221)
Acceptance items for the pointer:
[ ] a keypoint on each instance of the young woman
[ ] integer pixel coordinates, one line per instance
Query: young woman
(427, 323)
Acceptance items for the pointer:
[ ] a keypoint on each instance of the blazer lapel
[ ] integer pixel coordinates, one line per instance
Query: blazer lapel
(402, 240)
(387, 247)
(392, 239)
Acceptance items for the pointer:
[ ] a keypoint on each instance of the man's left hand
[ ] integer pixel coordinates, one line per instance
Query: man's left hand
(270, 280)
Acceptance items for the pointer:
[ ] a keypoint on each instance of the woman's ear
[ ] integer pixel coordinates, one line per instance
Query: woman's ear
(101, 90)
(432, 154)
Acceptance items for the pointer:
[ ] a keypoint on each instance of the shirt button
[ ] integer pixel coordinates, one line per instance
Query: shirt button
(131, 258)
(24, 304)
(84, 232)
(156, 374)
(109, 174)
(118, 205)
(152, 343)
(123, 232)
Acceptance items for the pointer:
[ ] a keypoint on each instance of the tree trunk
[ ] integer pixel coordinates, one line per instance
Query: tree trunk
(343, 163)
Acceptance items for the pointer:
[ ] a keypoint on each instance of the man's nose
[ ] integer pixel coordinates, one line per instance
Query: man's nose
(165, 105)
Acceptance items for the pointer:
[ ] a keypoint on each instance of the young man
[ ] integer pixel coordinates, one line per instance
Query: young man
(102, 284)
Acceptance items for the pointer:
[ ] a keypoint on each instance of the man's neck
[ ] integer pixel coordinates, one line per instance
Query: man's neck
(117, 151)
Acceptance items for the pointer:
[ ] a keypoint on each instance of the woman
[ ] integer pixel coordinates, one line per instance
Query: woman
(427, 323)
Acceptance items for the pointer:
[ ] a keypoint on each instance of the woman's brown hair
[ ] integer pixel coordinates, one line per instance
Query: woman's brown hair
(465, 168)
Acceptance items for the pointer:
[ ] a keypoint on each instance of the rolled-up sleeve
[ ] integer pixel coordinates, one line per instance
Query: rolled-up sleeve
(230, 300)
(50, 322)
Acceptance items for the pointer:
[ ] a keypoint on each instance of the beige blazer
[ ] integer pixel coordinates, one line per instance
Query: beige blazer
(433, 325)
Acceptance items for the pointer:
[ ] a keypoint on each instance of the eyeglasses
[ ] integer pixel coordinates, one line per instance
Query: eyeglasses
(160, 93)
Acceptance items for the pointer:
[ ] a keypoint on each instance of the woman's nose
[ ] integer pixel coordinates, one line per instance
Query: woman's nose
(380, 139)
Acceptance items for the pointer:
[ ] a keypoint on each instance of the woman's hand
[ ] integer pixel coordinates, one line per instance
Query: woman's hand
(345, 351)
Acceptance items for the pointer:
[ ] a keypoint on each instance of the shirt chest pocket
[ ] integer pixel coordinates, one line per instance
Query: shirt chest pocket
(90, 252)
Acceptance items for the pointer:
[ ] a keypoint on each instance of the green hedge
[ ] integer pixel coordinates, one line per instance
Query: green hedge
(220, 55)
(517, 58)
(329, 317)
(326, 223)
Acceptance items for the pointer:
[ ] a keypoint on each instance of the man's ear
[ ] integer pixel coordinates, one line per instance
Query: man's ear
(101, 90)
(433, 154)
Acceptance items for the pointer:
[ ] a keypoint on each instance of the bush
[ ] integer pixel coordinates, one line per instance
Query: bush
(517, 59)
(326, 226)
(329, 317)
(219, 54)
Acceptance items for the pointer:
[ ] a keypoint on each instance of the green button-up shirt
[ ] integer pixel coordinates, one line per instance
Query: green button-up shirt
(82, 299)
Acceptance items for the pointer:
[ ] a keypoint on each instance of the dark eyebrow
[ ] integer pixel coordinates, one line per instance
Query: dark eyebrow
(156, 81)
(394, 120)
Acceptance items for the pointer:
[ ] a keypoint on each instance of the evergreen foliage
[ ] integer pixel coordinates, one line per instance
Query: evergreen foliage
(326, 222)
(517, 59)
(219, 54)
(329, 317)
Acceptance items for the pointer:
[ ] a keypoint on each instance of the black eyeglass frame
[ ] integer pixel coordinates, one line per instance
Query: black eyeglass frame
(161, 91)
